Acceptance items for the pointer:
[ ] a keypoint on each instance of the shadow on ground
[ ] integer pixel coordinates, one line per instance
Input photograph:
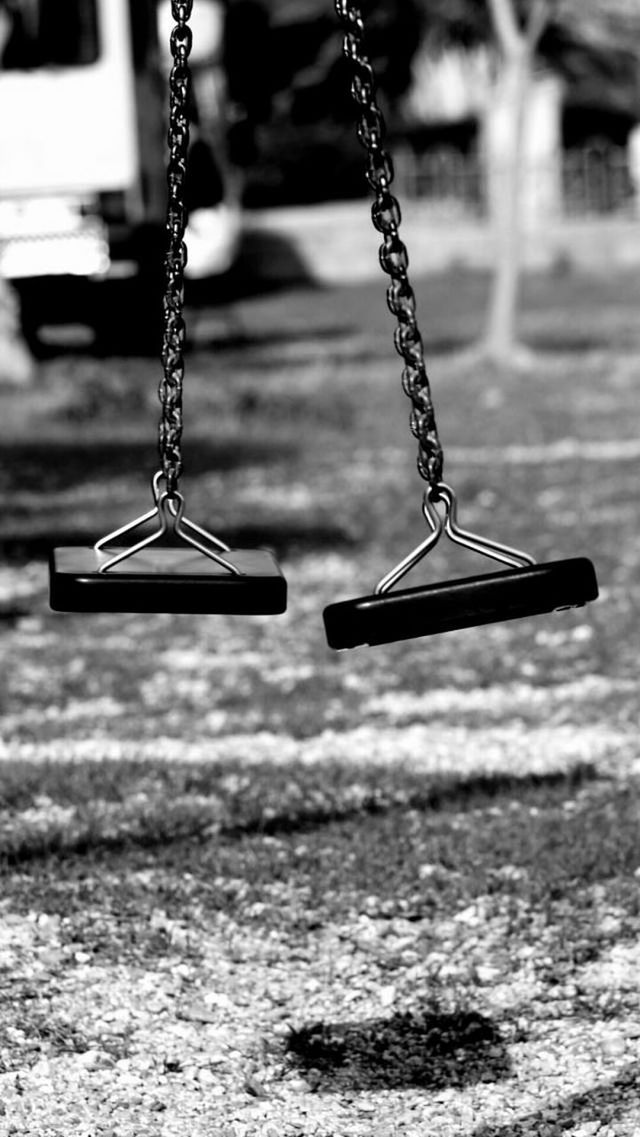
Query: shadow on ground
(430, 1049)
(609, 1101)
(246, 812)
(51, 466)
(124, 315)
(565, 343)
(229, 331)
(283, 537)
(453, 793)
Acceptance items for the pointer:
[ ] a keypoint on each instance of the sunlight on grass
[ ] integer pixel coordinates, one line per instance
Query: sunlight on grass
(314, 877)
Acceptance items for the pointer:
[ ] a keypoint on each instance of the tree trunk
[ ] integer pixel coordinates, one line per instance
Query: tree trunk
(504, 130)
(16, 363)
(633, 151)
(504, 137)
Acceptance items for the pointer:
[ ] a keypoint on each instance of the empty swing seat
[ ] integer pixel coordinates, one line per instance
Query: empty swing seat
(425, 611)
(166, 579)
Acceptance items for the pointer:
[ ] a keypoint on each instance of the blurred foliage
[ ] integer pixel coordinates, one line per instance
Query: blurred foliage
(594, 44)
(597, 47)
(293, 127)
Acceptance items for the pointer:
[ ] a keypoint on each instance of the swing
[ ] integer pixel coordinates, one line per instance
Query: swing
(525, 588)
(179, 567)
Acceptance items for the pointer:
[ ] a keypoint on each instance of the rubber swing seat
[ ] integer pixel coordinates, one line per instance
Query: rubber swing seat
(469, 602)
(166, 579)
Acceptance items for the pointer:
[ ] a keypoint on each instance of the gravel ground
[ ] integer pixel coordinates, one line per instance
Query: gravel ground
(204, 1041)
(238, 1029)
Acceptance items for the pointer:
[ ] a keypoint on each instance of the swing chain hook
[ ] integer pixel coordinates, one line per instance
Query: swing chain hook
(447, 523)
(168, 508)
(394, 258)
(171, 384)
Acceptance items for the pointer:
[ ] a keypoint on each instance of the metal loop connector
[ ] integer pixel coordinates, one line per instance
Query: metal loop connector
(169, 510)
(443, 493)
(515, 558)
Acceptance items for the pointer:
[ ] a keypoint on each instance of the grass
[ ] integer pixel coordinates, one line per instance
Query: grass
(460, 810)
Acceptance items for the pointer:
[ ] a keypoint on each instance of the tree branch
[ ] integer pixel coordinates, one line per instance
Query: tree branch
(505, 24)
(511, 38)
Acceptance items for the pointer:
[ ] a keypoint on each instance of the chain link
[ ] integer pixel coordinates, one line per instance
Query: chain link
(170, 389)
(394, 259)
(386, 217)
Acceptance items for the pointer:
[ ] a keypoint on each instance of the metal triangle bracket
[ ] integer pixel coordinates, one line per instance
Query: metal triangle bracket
(169, 510)
(447, 523)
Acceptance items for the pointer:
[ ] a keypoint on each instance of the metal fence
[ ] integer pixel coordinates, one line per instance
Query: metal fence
(446, 176)
(592, 181)
(597, 180)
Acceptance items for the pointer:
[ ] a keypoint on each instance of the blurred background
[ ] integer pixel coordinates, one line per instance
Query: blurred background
(276, 170)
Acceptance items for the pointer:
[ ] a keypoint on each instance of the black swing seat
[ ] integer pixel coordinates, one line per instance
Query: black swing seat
(166, 579)
(507, 595)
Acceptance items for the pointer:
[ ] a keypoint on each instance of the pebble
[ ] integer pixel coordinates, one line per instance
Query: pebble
(614, 1045)
(41, 1069)
(206, 1077)
(298, 1085)
(409, 958)
(283, 1029)
(51, 957)
(486, 975)
(611, 926)
(197, 1012)
(428, 870)
(388, 995)
(94, 1059)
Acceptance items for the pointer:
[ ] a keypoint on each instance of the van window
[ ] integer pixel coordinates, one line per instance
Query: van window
(47, 33)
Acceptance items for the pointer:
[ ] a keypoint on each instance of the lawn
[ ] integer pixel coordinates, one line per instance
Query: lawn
(255, 887)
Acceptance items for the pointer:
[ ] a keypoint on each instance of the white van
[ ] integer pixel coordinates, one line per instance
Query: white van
(81, 134)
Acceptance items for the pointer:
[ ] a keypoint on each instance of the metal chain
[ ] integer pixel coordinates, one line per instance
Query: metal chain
(170, 389)
(394, 259)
